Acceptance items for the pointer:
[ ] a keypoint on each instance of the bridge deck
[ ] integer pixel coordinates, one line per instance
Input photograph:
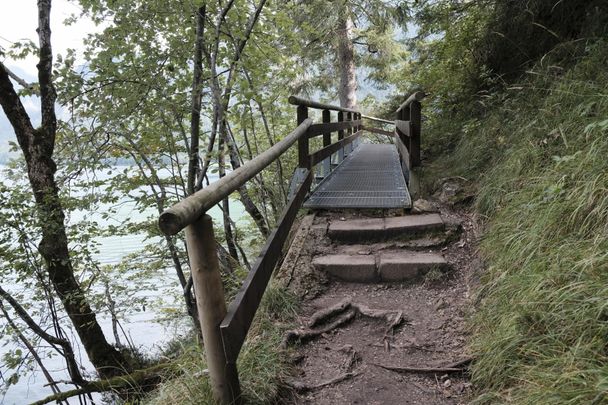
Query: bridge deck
(370, 177)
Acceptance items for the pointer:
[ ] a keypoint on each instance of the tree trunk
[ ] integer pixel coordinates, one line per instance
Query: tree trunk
(226, 201)
(246, 200)
(346, 62)
(197, 91)
(38, 146)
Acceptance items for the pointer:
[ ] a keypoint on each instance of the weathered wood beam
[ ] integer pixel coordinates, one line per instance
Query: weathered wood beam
(320, 129)
(295, 100)
(404, 127)
(241, 311)
(321, 154)
(379, 131)
(193, 207)
(367, 117)
(417, 96)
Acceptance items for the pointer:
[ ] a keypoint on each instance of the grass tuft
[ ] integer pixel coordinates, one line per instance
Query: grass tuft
(262, 364)
(540, 157)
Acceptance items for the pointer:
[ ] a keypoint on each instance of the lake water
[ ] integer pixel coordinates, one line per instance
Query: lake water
(143, 326)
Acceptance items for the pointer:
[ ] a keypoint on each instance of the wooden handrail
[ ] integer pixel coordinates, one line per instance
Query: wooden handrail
(416, 96)
(327, 151)
(379, 131)
(377, 119)
(295, 100)
(188, 210)
(225, 330)
(328, 127)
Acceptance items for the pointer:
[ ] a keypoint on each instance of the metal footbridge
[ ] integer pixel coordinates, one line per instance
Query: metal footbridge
(371, 176)
(343, 173)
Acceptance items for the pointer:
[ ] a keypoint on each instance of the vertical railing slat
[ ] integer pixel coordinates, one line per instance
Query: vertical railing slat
(326, 142)
(303, 141)
(340, 137)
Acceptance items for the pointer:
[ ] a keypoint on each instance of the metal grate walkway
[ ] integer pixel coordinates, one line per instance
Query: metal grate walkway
(370, 177)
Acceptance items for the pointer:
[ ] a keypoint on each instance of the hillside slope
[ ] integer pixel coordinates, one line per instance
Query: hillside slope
(537, 154)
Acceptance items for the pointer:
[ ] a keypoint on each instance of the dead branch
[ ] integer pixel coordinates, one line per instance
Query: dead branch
(390, 331)
(352, 360)
(396, 322)
(462, 363)
(137, 380)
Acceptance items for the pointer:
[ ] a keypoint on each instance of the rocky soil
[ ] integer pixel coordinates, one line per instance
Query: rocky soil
(383, 343)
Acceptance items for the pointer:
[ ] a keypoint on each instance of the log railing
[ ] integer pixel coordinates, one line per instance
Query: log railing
(224, 328)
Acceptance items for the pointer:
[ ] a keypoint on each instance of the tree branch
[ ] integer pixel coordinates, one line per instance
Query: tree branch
(45, 71)
(68, 352)
(20, 81)
(31, 349)
(15, 111)
(135, 379)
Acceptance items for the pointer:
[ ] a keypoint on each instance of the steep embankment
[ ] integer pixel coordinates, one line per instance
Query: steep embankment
(539, 156)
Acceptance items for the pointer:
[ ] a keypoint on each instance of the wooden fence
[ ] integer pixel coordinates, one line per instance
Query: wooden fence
(224, 328)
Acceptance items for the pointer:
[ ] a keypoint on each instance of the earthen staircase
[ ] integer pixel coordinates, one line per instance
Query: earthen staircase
(386, 249)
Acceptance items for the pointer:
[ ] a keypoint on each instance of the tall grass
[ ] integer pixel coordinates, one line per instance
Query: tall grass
(262, 364)
(540, 156)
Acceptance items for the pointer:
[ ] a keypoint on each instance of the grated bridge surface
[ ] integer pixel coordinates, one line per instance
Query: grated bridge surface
(370, 177)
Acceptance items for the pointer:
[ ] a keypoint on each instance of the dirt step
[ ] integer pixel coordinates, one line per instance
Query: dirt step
(385, 266)
(375, 229)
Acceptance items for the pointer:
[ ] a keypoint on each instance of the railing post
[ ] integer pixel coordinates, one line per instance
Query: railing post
(349, 132)
(303, 158)
(403, 115)
(415, 118)
(211, 308)
(326, 142)
(358, 128)
(340, 137)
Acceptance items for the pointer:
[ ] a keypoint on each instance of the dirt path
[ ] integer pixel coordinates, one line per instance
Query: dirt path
(343, 366)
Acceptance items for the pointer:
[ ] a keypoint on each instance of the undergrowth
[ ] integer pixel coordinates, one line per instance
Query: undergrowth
(262, 364)
(539, 155)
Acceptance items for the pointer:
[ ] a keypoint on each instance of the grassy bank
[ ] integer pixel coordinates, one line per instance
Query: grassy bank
(262, 365)
(538, 153)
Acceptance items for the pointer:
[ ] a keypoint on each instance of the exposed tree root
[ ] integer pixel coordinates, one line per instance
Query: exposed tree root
(456, 367)
(424, 348)
(346, 311)
(322, 315)
(353, 357)
(390, 331)
(303, 335)
(302, 387)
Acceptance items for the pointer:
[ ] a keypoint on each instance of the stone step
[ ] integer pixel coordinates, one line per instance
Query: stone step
(384, 266)
(359, 268)
(401, 267)
(374, 229)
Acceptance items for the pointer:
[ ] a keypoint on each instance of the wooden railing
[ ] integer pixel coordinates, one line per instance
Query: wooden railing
(225, 329)
(407, 133)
